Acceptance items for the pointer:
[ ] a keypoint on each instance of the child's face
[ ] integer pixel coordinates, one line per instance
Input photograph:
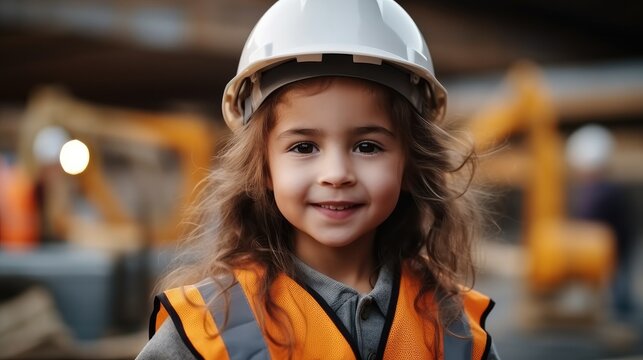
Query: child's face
(336, 163)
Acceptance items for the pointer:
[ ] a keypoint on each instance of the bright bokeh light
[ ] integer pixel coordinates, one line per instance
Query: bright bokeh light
(74, 157)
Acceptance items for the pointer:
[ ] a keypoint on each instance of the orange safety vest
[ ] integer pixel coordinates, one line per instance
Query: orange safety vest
(200, 319)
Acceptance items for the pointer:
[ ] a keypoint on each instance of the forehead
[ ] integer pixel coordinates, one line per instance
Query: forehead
(332, 103)
(333, 96)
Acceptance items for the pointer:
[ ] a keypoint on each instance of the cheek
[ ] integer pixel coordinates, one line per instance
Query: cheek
(285, 179)
(385, 182)
(386, 185)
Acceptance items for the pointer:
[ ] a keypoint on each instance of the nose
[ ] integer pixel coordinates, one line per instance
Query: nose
(337, 170)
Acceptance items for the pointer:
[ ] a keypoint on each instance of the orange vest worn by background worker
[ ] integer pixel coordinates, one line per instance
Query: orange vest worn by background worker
(200, 318)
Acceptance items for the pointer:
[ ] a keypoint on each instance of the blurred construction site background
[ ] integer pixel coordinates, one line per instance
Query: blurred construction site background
(110, 115)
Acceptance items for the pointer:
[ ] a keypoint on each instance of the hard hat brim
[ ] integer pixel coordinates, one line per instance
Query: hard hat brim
(234, 116)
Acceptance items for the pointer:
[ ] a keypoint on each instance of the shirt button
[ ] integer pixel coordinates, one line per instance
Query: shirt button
(371, 356)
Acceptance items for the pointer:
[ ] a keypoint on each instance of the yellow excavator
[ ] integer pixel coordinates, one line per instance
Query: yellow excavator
(145, 147)
(89, 288)
(559, 251)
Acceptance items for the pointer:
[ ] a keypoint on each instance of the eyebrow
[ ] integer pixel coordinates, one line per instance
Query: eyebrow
(298, 132)
(365, 130)
(362, 130)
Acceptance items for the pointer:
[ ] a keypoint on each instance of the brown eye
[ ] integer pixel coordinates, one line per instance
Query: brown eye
(303, 148)
(367, 147)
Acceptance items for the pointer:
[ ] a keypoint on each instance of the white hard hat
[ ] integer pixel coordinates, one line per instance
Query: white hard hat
(298, 39)
(589, 148)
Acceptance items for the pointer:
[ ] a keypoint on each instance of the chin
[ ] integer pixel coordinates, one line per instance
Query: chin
(337, 242)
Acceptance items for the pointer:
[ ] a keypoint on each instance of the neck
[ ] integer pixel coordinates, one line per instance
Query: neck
(352, 264)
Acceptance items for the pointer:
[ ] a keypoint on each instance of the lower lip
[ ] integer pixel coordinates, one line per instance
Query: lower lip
(337, 214)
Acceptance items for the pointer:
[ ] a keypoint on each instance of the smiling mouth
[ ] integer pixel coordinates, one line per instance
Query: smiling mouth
(337, 207)
(338, 210)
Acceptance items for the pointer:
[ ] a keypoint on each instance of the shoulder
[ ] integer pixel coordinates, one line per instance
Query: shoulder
(201, 316)
(165, 344)
(186, 312)
(476, 307)
(478, 304)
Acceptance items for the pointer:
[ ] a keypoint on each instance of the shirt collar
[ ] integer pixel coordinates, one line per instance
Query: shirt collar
(336, 293)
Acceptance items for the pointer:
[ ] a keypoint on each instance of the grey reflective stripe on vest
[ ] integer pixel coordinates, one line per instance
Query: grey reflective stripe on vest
(241, 335)
(458, 341)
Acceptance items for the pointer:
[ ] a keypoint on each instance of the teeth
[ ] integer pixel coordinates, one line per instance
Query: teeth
(336, 208)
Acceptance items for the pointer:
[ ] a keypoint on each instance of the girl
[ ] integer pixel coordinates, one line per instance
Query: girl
(337, 225)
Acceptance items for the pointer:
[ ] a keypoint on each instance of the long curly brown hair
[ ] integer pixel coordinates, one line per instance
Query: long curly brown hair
(237, 223)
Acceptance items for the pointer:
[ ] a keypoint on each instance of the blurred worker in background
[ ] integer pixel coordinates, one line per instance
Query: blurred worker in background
(596, 198)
